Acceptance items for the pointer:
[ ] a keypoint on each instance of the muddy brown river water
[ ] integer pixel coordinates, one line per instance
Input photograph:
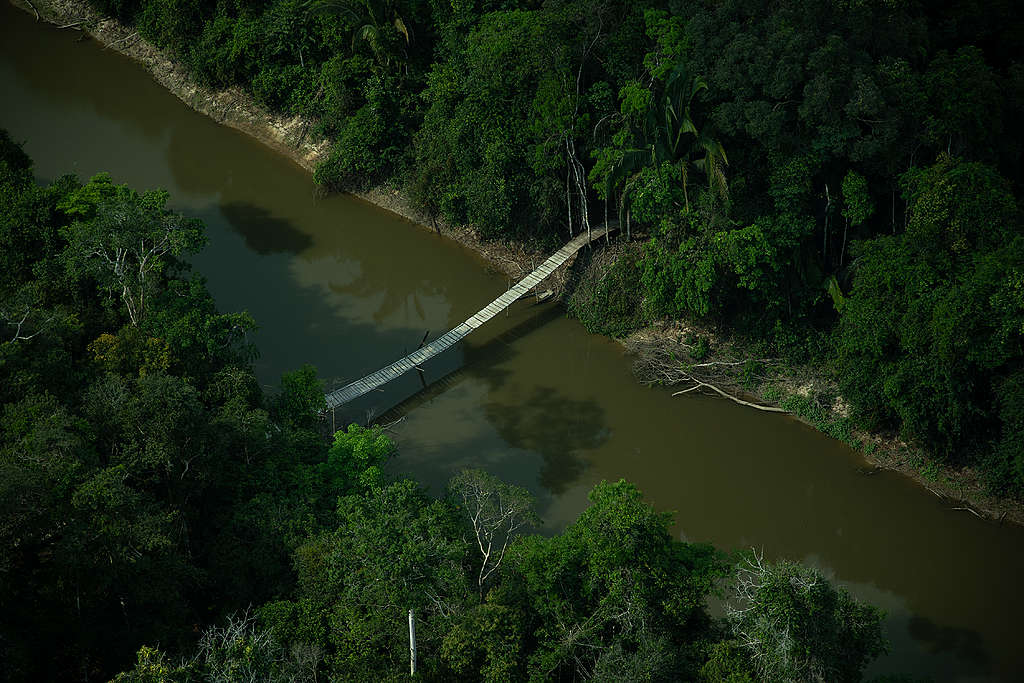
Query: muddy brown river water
(531, 397)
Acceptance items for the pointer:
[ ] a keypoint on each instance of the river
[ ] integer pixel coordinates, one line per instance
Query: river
(531, 397)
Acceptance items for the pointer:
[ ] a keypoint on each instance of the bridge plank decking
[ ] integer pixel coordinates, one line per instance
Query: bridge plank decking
(377, 379)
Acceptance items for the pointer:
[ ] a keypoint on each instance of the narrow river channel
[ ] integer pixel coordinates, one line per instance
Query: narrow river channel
(530, 397)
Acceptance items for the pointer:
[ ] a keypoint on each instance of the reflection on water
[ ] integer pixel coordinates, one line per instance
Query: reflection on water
(932, 651)
(530, 397)
(557, 427)
(963, 646)
(263, 232)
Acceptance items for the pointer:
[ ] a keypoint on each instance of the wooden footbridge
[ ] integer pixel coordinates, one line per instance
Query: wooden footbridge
(377, 379)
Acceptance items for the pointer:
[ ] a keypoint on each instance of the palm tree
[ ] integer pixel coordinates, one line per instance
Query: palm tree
(374, 19)
(673, 135)
(670, 134)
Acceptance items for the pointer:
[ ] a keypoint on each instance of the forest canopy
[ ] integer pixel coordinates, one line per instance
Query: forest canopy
(838, 181)
(164, 518)
(768, 162)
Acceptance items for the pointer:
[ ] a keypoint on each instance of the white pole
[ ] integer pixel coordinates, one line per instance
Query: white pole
(412, 644)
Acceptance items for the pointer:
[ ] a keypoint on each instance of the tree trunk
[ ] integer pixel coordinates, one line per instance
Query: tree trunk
(568, 186)
(607, 240)
(824, 243)
(843, 249)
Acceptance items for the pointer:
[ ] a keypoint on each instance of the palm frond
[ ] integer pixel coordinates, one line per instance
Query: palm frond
(370, 34)
(336, 8)
(400, 25)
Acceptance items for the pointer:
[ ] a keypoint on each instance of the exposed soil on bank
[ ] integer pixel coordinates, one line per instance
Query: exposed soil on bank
(291, 136)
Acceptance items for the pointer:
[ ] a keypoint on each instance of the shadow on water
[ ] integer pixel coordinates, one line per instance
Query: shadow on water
(933, 651)
(263, 232)
(557, 427)
(963, 645)
(485, 361)
(479, 362)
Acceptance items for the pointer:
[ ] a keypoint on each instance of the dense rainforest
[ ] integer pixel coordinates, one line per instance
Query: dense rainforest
(161, 516)
(835, 180)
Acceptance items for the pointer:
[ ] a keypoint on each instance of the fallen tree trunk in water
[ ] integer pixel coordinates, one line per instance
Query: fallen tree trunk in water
(702, 385)
(663, 364)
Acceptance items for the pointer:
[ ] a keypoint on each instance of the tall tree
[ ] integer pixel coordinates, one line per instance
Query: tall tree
(795, 626)
(933, 325)
(497, 513)
(123, 238)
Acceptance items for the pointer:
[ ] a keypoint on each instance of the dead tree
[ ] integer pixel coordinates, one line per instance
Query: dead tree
(672, 365)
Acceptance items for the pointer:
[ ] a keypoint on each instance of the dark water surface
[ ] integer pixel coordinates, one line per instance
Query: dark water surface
(533, 398)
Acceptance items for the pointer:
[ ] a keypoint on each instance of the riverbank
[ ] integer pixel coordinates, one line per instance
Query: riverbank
(287, 135)
(704, 355)
(796, 389)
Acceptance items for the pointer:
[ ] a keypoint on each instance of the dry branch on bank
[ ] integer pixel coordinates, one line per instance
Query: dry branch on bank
(704, 385)
(971, 510)
(672, 365)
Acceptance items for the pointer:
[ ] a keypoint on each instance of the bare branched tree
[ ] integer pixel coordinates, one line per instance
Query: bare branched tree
(796, 626)
(577, 182)
(240, 651)
(497, 513)
(575, 174)
(20, 321)
(128, 240)
(22, 315)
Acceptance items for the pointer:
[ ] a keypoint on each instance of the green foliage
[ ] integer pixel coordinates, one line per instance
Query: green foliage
(609, 302)
(972, 120)
(857, 206)
(693, 268)
(391, 549)
(817, 409)
(663, 135)
(151, 666)
(504, 107)
(367, 149)
(126, 240)
(728, 662)
(701, 348)
(15, 165)
(170, 23)
(615, 591)
(237, 651)
(226, 52)
(132, 451)
(793, 625)
(354, 461)
(241, 651)
(1004, 466)
(933, 326)
(301, 399)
